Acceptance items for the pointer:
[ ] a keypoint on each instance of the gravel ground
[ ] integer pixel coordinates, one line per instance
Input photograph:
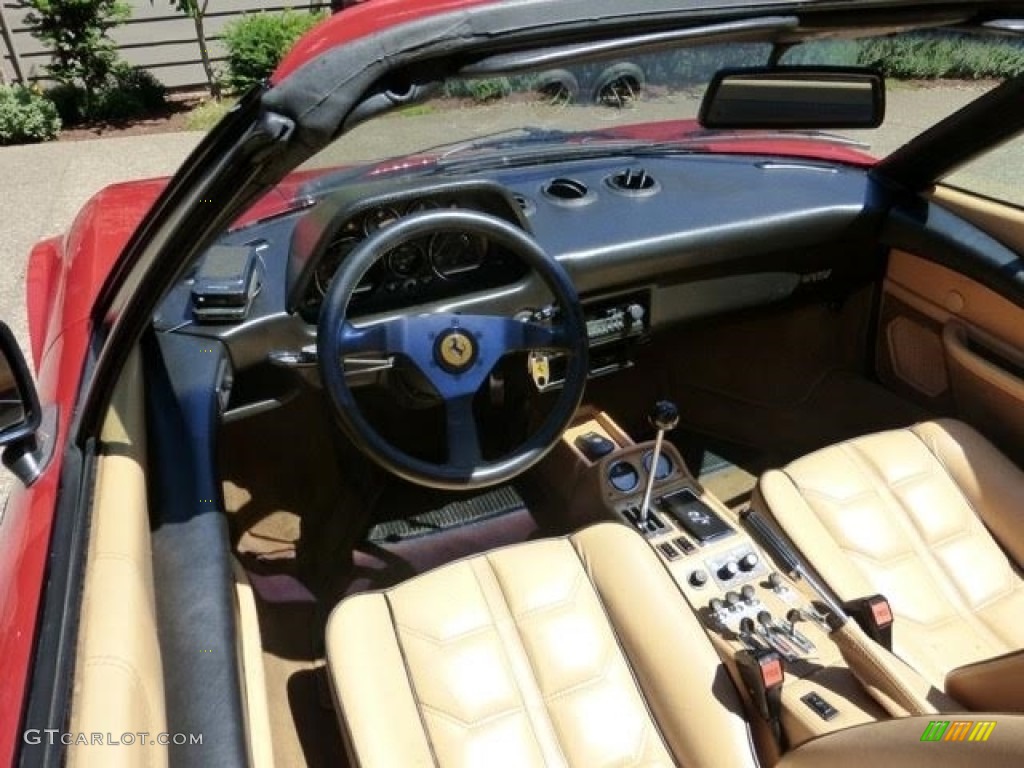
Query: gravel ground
(45, 185)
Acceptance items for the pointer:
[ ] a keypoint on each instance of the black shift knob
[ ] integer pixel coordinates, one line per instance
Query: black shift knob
(664, 415)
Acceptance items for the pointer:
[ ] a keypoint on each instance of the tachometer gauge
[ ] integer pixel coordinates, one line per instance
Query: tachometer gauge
(379, 218)
(407, 259)
(329, 262)
(452, 253)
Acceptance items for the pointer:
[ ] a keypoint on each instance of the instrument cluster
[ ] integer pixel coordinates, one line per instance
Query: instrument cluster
(412, 266)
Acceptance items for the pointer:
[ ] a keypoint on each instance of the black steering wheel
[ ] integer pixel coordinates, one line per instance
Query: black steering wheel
(455, 352)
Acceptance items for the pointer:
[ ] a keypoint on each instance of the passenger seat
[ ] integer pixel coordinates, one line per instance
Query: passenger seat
(931, 517)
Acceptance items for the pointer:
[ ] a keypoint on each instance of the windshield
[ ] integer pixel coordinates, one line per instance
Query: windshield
(929, 76)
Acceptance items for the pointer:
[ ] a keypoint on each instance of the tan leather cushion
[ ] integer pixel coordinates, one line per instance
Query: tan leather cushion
(119, 683)
(897, 744)
(576, 651)
(911, 514)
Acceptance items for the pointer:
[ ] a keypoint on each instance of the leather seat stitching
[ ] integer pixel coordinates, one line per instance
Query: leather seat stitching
(929, 443)
(566, 600)
(471, 724)
(533, 671)
(408, 678)
(909, 699)
(423, 634)
(860, 459)
(652, 723)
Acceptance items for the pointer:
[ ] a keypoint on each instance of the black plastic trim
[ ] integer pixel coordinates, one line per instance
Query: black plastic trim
(49, 691)
(195, 602)
(12, 353)
(971, 131)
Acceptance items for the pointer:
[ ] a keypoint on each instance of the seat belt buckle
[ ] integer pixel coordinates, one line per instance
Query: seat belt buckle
(763, 674)
(874, 616)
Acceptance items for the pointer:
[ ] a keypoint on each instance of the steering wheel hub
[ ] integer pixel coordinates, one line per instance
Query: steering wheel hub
(455, 350)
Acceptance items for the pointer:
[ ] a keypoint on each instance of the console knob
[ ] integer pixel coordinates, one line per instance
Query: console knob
(775, 581)
(794, 615)
(664, 416)
(728, 570)
(764, 618)
(732, 598)
(747, 625)
(748, 594)
(749, 561)
(698, 578)
(716, 605)
(635, 312)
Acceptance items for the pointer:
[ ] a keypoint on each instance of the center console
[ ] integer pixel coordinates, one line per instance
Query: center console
(748, 607)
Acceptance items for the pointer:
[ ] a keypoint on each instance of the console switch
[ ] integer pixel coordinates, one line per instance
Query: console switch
(670, 552)
(822, 708)
(594, 445)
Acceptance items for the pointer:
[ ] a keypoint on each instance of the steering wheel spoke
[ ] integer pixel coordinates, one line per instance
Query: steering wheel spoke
(369, 338)
(463, 437)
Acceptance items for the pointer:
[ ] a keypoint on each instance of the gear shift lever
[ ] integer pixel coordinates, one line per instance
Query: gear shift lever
(663, 417)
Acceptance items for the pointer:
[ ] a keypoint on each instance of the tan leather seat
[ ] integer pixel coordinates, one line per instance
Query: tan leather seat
(932, 517)
(576, 651)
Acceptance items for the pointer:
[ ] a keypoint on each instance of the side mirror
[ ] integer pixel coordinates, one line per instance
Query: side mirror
(807, 98)
(20, 414)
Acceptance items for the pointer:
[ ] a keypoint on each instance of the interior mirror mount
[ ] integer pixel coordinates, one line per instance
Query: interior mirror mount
(20, 414)
(807, 98)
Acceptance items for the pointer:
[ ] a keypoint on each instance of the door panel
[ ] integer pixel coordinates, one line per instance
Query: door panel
(955, 346)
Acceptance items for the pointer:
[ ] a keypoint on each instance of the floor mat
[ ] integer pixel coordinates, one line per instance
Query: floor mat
(485, 506)
(731, 480)
(382, 564)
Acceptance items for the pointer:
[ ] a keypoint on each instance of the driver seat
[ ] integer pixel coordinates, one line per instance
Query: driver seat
(573, 651)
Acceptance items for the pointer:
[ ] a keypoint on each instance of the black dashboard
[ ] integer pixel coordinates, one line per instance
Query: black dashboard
(682, 237)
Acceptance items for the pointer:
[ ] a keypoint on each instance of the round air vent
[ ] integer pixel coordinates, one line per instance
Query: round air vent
(568, 191)
(633, 181)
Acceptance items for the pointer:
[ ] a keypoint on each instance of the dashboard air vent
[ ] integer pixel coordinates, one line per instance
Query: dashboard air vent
(633, 181)
(568, 191)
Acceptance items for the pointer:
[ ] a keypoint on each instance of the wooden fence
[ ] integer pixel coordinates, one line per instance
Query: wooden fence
(156, 37)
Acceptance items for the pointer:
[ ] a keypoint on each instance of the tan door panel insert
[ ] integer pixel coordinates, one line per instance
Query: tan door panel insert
(945, 335)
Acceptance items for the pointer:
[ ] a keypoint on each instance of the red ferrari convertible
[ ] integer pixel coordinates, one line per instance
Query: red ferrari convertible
(541, 383)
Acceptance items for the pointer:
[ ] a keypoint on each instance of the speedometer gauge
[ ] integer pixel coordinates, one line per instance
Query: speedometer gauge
(329, 262)
(452, 253)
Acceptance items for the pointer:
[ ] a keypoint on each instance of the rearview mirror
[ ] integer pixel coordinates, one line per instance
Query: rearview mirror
(794, 97)
(19, 404)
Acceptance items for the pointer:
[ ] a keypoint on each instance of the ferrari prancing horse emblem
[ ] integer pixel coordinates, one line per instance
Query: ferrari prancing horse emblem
(455, 350)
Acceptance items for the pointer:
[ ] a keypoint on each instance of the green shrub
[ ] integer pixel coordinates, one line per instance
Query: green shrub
(26, 116)
(256, 43)
(125, 93)
(75, 31)
(488, 89)
(931, 55)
